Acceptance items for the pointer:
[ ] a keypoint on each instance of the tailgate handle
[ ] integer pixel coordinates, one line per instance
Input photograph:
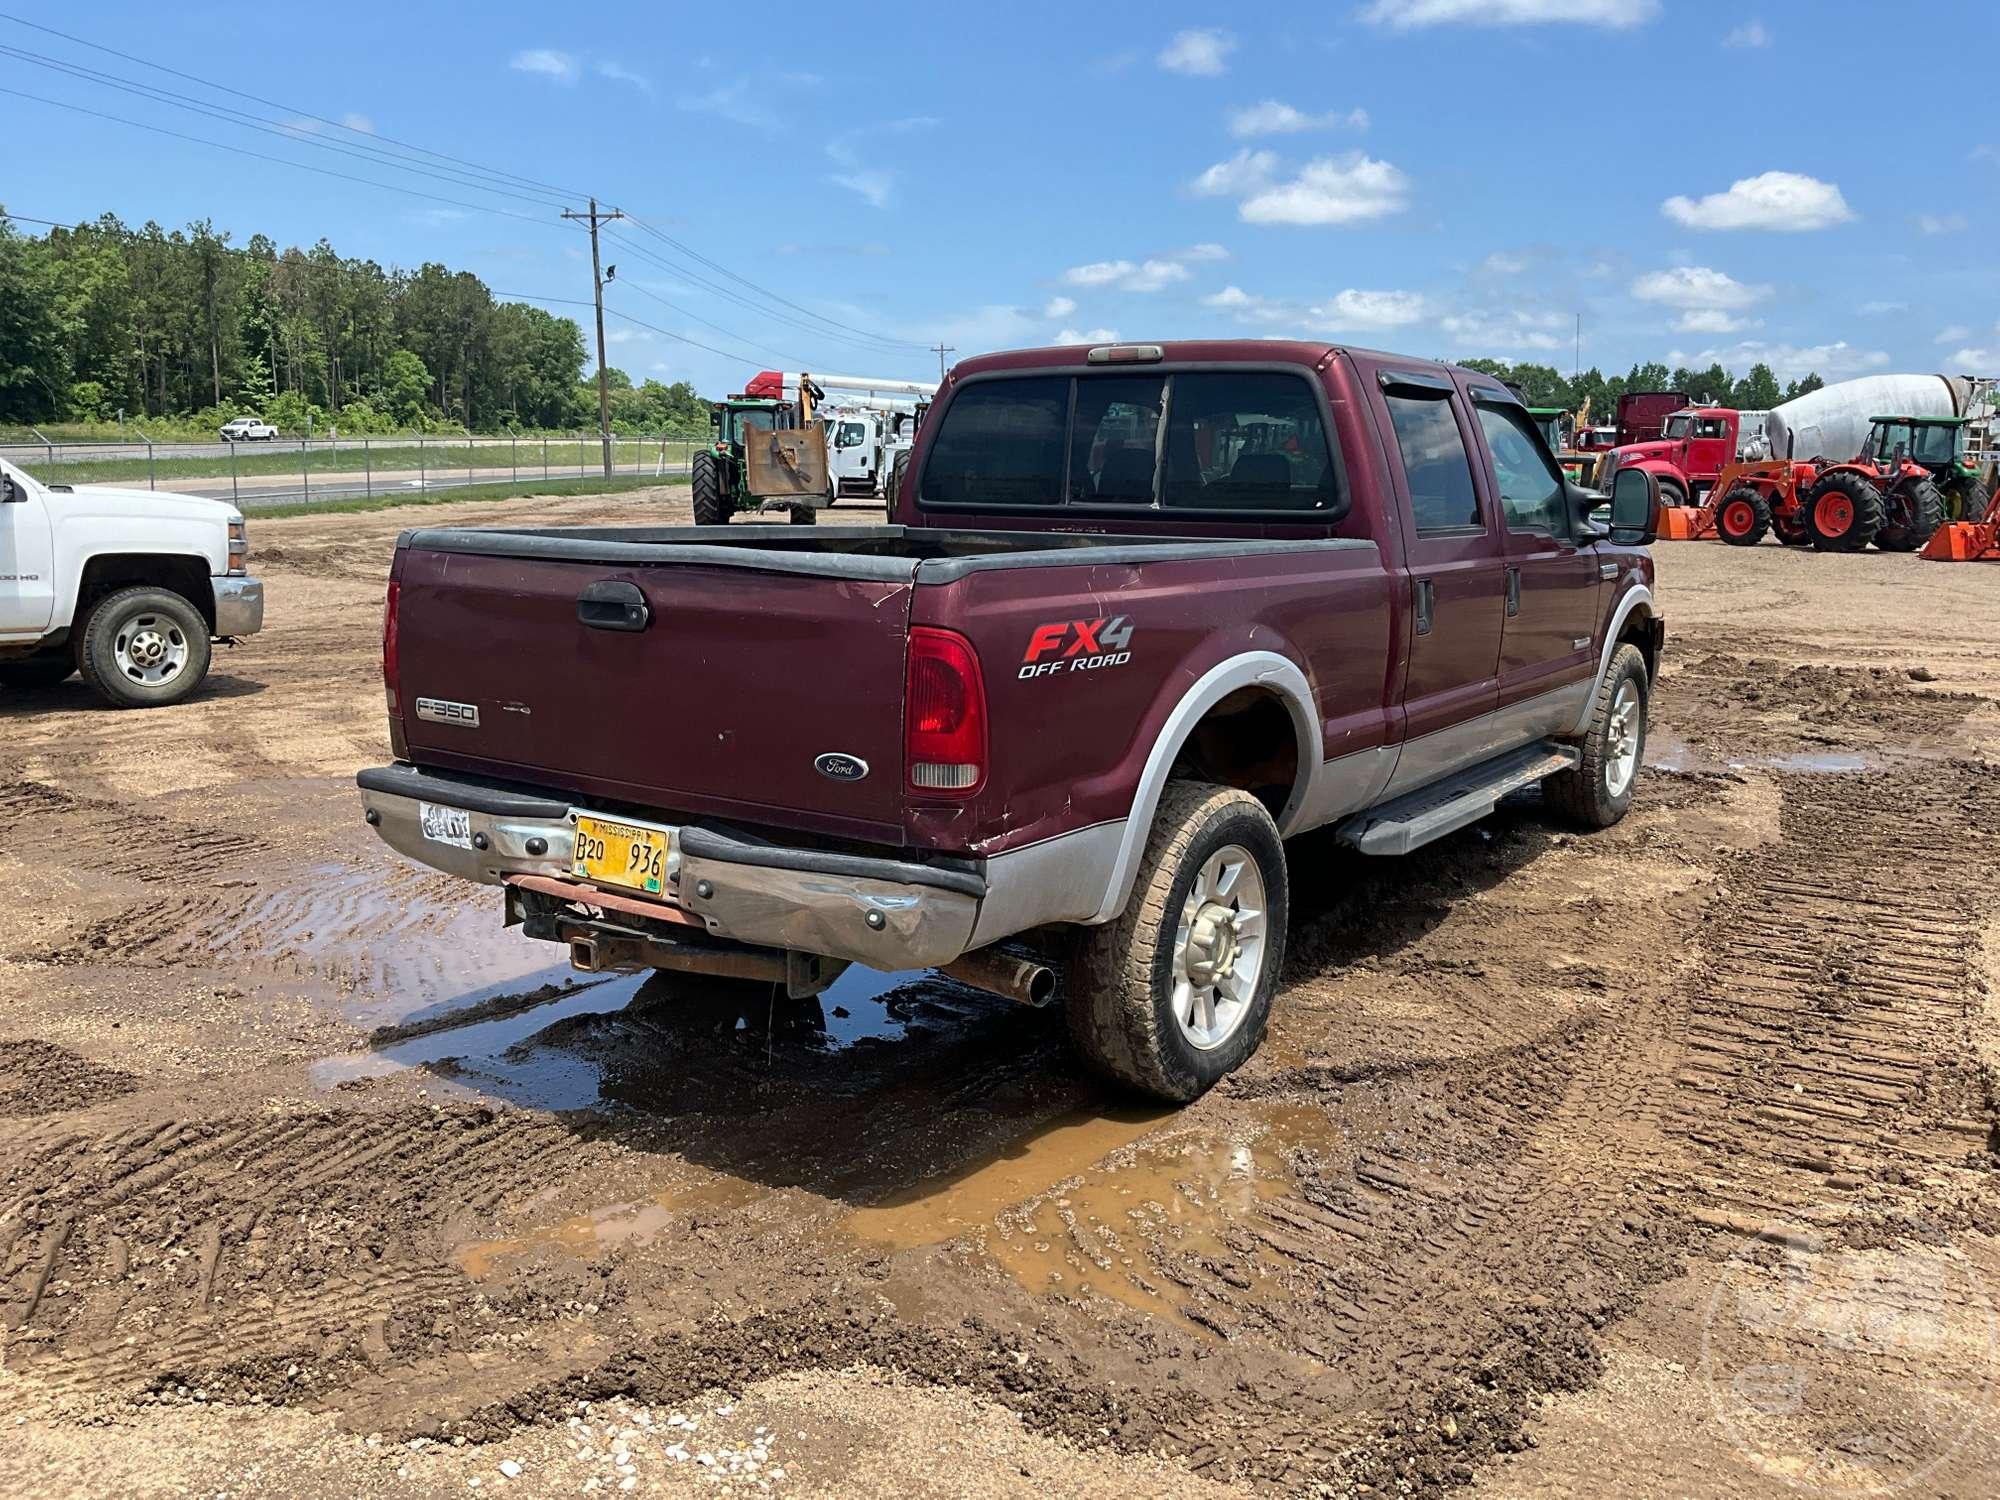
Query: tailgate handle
(613, 606)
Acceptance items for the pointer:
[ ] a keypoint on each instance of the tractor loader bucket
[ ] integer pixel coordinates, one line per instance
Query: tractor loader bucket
(1686, 523)
(1964, 541)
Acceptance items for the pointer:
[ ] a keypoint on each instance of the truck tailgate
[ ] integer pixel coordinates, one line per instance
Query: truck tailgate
(720, 704)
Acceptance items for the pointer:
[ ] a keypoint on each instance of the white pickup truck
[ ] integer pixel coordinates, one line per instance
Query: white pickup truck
(128, 587)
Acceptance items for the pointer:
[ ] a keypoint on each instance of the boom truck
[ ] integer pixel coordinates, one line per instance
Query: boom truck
(771, 450)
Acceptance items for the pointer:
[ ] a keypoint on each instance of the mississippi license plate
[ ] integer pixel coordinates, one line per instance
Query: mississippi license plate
(633, 855)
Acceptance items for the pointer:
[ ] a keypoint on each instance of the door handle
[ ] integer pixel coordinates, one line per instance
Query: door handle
(1426, 605)
(1513, 591)
(613, 606)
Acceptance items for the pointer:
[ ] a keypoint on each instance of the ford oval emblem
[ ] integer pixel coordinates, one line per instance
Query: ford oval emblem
(838, 767)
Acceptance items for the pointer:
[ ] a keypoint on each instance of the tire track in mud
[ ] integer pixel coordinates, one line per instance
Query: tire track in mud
(187, 1250)
(41, 823)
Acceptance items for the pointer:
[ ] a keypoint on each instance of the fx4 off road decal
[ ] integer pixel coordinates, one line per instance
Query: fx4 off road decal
(1077, 646)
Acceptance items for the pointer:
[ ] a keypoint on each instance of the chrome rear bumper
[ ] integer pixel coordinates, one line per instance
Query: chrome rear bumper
(888, 914)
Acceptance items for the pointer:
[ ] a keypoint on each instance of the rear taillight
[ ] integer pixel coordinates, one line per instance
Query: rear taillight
(392, 663)
(945, 698)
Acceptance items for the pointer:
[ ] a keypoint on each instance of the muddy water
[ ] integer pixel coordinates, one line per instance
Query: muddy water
(602, 1229)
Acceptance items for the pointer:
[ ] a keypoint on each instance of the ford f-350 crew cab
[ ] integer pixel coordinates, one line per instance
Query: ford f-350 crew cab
(1144, 613)
(129, 587)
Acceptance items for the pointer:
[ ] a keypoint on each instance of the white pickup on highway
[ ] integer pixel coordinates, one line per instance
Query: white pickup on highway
(128, 587)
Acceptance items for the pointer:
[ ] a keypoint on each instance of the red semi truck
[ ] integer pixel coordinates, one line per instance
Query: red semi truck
(1144, 613)
(1694, 446)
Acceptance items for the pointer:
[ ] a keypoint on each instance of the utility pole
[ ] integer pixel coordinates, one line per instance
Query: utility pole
(941, 350)
(597, 289)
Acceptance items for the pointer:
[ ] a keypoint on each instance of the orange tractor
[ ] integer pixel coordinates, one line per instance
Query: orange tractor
(1835, 507)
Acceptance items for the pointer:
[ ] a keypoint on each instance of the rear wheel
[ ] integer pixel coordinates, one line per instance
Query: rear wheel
(1967, 501)
(1174, 994)
(1915, 510)
(711, 507)
(1743, 517)
(897, 470)
(144, 648)
(1843, 512)
(1671, 493)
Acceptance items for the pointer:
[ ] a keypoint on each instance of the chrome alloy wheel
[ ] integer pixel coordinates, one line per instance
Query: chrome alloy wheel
(151, 648)
(1622, 736)
(1219, 948)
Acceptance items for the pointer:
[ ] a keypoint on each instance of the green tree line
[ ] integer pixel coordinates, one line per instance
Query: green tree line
(1543, 385)
(101, 319)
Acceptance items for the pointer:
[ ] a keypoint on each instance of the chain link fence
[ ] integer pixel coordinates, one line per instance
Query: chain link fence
(291, 471)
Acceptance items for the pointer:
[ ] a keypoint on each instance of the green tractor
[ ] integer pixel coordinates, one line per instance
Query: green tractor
(767, 454)
(1936, 444)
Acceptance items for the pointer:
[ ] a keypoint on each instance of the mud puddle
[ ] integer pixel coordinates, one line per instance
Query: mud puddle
(1667, 752)
(601, 1230)
(513, 1039)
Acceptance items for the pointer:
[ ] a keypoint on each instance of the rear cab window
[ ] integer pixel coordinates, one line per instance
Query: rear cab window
(1216, 442)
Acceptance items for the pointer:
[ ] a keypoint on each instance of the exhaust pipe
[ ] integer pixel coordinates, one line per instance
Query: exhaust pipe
(1009, 975)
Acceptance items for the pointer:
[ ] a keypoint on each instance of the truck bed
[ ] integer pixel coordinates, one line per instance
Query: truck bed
(750, 653)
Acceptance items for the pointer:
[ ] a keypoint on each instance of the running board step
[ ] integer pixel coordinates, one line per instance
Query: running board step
(1446, 806)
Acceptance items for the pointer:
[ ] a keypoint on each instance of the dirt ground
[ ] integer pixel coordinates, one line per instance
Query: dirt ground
(1654, 1161)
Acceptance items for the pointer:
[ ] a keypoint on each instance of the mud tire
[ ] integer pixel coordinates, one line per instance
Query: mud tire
(1913, 514)
(1582, 794)
(1119, 1001)
(1868, 512)
(1968, 501)
(898, 467)
(711, 506)
(1671, 492)
(1759, 513)
(97, 659)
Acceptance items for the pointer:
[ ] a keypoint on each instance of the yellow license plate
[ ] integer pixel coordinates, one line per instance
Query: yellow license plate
(633, 855)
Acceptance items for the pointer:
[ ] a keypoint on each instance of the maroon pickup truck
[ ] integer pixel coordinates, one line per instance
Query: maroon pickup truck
(1144, 612)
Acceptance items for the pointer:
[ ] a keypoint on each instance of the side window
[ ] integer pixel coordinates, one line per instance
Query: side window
(1001, 444)
(1434, 461)
(1531, 491)
(1708, 427)
(1247, 440)
(1114, 440)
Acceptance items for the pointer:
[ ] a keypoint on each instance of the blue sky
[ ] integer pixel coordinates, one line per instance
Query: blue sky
(1454, 177)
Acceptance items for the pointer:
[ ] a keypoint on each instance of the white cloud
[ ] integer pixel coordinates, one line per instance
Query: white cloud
(547, 63)
(1969, 361)
(1707, 320)
(1941, 223)
(1244, 173)
(1199, 52)
(1514, 329)
(740, 103)
(1274, 117)
(1835, 361)
(1059, 307)
(1127, 276)
(1507, 263)
(873, 185)
(1770, 200)
(1354, 308)
(1751, 33)
(1089, 336)
(1692, 287)
(1232, 299)
(1409, 15)
(1207, 250)
(1348, 189)
(1881, 309)
(619, 73)
(1957, 333)
(358, 122)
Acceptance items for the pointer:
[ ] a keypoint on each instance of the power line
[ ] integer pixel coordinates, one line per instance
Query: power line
(484, 208)
(244, 120)
(782, 358)
(273, 104)
(721, 269)
(684, 274)
(641, 322)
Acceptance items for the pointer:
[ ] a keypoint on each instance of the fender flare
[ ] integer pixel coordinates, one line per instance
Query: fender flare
(1638, 597)
(1265, 669)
